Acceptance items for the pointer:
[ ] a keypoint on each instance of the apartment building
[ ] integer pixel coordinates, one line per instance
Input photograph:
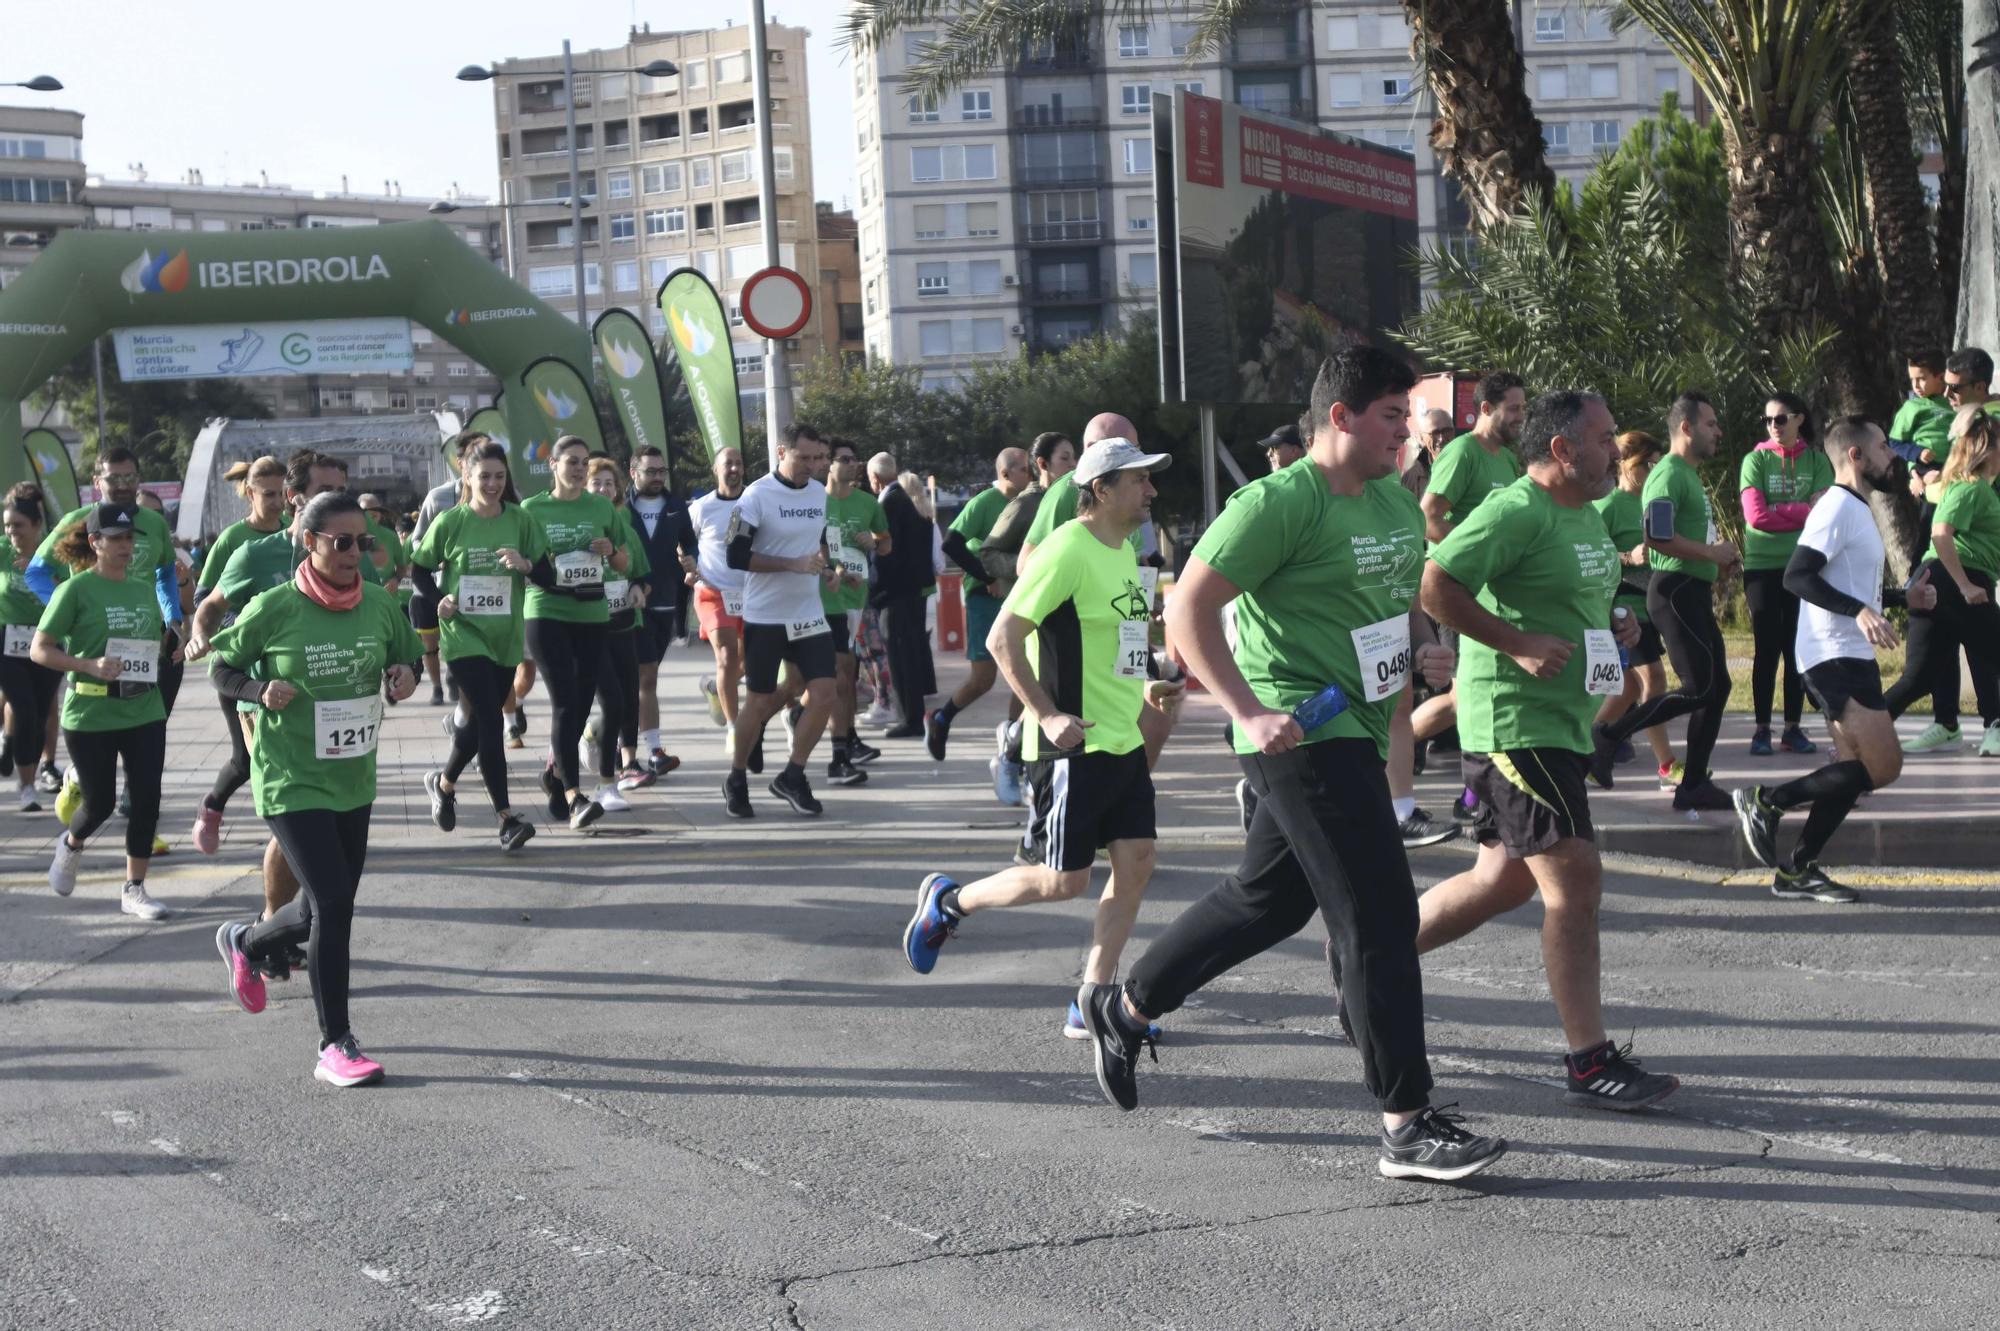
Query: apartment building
(41, 182)
(837, 297)
(667, 174)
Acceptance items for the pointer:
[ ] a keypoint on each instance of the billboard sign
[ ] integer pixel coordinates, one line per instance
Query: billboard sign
(233, 350)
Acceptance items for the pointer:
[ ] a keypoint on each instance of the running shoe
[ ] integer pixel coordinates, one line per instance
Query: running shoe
(207, 833)
(1420, 829)
(736, 796)
(449, 725)
(1246, 803)
(1989, 747)
(48, 778)
(906, 730)
(1115, 1042)
(1001, 731)
(343, 1064)
(930, 927)
(794, 790)
(29, 804)
(124, 804)
(583, 812)
(514, 741)
(879, 714)
(1702, 795)
(1608, 1077)
(757, 757)
(1672, 774)
(1006, 781)
(160, 846)
(437, 695)
(62, 869)
(1073, 1028)
(1760, 743)
(1794, 741)
(444, 803)
(69, 798)
(515, 832)
(135, 901)
(1810, 883)
(1933, 740)
(1465, 809)
(713, 699)
(860, 752)
(1603, 750)
(937, 733)
(1433, 1145)
(1759, 820)
(843, 772)
(552, 786)
(245, 984)
(6, 755)
(1626, 753)
(635, 777)
(663, 762)
(608, 799)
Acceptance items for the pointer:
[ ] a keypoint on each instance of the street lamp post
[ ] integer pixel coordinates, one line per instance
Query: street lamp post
(39, 83)
(777, 367)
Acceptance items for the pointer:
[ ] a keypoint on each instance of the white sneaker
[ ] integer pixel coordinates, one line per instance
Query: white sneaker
(1000, 729)
(880, 715)
(29, 804)
(609, 800)
(136, 902)
(62, 869)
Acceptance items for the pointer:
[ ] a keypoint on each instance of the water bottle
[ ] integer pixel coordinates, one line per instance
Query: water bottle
(1624, 657)
(1321, 708)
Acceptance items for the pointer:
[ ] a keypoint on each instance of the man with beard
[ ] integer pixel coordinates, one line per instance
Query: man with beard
(1480, 461)
(1836, 570)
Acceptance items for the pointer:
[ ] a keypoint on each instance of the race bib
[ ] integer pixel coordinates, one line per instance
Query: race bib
(486, 594)
(1605, 677)
(18, 638)
(732, 604)
(1135, 648)
(139, 659)
(853, 560)
(617, 593)
(805, 628)
(1149, 582)
(579, 568)
(347, 729)
(1382, 650)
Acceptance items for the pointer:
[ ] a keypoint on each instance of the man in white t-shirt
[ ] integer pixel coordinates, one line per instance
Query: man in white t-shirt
(1836, 571)
(718, 596)
(777, 541)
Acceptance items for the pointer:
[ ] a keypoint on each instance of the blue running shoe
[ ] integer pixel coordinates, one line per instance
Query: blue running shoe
(1006, 781)
(930, 926)
(1795, 741)
(1760, 743)
(1074, 1029)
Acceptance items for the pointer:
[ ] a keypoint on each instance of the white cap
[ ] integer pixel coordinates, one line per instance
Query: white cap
(1109, 455)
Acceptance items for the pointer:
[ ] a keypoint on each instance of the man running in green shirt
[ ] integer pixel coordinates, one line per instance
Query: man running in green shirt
(1528, 582)
(1011, 474)
(1481, 460)
(855, 528)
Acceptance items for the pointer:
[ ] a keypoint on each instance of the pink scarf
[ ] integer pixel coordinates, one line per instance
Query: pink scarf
(323, 593)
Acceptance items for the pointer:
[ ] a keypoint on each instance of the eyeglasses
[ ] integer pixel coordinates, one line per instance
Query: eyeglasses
(1778, 419)
(1954, 389)
(344, 543)
(122, 479)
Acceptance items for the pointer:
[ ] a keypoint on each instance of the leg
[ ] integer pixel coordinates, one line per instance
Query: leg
(1795, 685)
(93, 758)
(1494, 885)
(812, 722)
(1681, 607)
(331, 848)
(281, 885)
(728, 644)
(1571, 879)
(236, 770)
(1156, 727)
(610, 709)
(1653, 683)
(144, 751)
(1762, 592)
(1930, 658)
(1402, 755)
(1118, 909)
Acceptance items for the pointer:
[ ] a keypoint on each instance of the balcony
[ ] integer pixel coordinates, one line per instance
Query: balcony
(1056, 62)
(1071, 291)
(1055, 233)
(1061, 173)
(1292, 108)
(1057, 117)
(1266, 48)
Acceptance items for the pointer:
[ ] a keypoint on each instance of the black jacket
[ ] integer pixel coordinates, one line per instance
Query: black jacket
(672, 535)
(907, 569)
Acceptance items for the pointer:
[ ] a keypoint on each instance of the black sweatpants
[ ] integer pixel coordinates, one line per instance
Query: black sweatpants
(94, 756)
(1934, 639)
(567, 655)
(326, 851)
(1774, 626)
(617, 700)
(483, 685)
(31, 692)
(1323, 839)
(1683, 608)
(237, 770)
(903, 627)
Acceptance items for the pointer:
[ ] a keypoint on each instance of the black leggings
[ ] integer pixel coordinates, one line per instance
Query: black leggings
(482, 687)
(1774, 624)
(1323, 839)
(237, 770)
(903, 618)
(1683, 608)
(567, 655)
(172, 672)
(31, 691)
(617, 701)
(325, 850)
(1935, 637)
(94, 757)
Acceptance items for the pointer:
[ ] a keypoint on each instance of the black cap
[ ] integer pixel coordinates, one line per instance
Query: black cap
(1280, 437)
(111, 518)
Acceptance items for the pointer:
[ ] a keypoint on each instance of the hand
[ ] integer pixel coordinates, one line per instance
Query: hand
(106, 668)
(691, 579)
(1916, 485)
(1271, 732)
(1064, 731)
(1625, 628)
(402, 682)
(811, 563)
(1876, 629)
(602, 546)
(1920, 594)
(864, 540)
(635, 599)
(1165, 695)
(1437, 664)
(513, 560)
(688, 565)
(277, 694)
(1927, 457)
(1543, 655)
(1973, 593)
(178, 655)
(197, 645)
(1726, 556)
(447, 606)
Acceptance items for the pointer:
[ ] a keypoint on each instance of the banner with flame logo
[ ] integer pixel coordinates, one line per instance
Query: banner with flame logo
(557, 402)
(698, 332)
(633, 377)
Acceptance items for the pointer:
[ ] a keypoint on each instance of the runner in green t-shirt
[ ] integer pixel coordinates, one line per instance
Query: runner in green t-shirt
(1528, 582)
(1083, 600)
(625, 597)
(117, 480)
(855, 528)
(30, 689)
(319, 655)
(1776, 486)
(1481, 460)
(1012, 471)
(103, 627)
(388, 558)
(1625, 523)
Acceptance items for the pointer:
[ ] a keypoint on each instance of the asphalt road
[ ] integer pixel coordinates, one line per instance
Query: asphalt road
(678, 1075)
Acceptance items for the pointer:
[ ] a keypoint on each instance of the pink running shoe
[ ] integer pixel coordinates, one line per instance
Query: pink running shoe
(208, 830)
(343, 1064)
(244, 982)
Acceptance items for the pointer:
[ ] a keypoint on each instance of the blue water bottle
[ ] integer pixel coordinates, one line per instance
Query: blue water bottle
(1624, 657)
(1321, 708)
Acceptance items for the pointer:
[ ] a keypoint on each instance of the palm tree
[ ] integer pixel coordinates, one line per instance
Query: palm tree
(1931, 35)
(1912, 310)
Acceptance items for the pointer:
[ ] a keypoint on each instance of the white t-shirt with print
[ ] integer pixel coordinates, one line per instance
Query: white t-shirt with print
(789, 521)
(1841, 528)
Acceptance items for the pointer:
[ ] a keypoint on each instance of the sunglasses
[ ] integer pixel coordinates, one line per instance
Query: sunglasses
(345, 543)
(1954, 389)
(1778, 419)
(123, 479)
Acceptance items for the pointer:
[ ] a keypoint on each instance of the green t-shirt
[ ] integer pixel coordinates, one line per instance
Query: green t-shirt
(318, 752)
(1925, 422)
(1058, 506)
(257, 565)
(569, 526)
(848, 518)
(461, 544)
(1465, 474)
(18, 602)
(1541, 568)
(618, 586)
(1782, 480)
(1972, 510)
(386, 542)
(86, 612)
(152, 543)
(1625, 523)
(233, 538)
(1080, 597)
(1674, 479)
(1327, 584)
(974, 521)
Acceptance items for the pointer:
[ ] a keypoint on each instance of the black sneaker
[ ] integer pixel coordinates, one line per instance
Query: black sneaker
(1420, 829)
(842, 772)
(1433, 1146)
(1246, 804)
(558, 799)
(48, 778)
(794, 790)
(1116, 1044)
(124, 804)
(1603, 755)
(6, 756)
(1810, 883)
(1759, 820)
(663, 762)
(517, 725)
(1608, 1077)
(515, 832)
(437, 695)
(1704, 795)
(583, 811)
(1462, 813)
(736, 796)
(757, 758)
(444, 804)
(937, 732)
(861, 753)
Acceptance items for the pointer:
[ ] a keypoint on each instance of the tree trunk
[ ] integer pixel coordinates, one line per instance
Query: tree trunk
(1912, 311)
(1950, 233)
(1979, 274)
(1486, 135)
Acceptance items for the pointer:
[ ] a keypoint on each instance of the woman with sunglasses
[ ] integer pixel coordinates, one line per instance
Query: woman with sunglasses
(1778, 482)
(484, 550)
(30, 688)
(105, 629)
(318, 655)
(625, 597)
(566, 621)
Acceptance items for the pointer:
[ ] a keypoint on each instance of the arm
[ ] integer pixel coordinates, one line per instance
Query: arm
(956, 550)
(1452, 604)
(1009, 644)
(1763, 515)
(235, 684)
(1946, 542)
(1805, 578)
(41, 576)
(46, 652)
(1436, 507)
(426, 583)
(206, 616)
(1194, 618)
(1660, 518)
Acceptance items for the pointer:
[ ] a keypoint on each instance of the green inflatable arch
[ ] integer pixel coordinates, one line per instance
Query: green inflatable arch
(90, 282)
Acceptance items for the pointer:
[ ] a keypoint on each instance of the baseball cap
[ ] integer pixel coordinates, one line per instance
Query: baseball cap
(1284, 435)
(1109, 455)
(111, 518)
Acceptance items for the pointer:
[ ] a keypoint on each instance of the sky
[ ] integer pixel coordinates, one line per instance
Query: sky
(363, 88)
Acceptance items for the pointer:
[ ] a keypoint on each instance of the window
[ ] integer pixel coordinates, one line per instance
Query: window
(989, 337)
(749, 361)
(985, 276)
(933, 279)
(952, 161)
(1133, 40)
(21, 189)
(552, 281)
(1552, 83)
(915, 44)
(743, 260)
(1136, 99)
(1344, 90)
(458, 369)
(923, 110)
(870, 294)
(658, 269)
(618, 184)
(613, 87)
(658, 321)
(930, 219)
(625, 275)
(975, 106)
(1191, 86)
(651, 180)
(1550, 27)
(1556, 138)
(1145, 272)
(982, 219)
(1392, 32)
(671, 221)
(427, 402)
(1597, 25)
(1180, 37)
(399, 401)
(1666, 79)
(1603, 135)
(781, 167)
(1139, 157)
(1604, 82)
(1395, 88)
(694, 74)
(423, 369)
(736, 168)
(1138, 213)
(732, 68)
(621, 226)
(701, 172)
(709, 265)
(1343, 34)
(934, 337)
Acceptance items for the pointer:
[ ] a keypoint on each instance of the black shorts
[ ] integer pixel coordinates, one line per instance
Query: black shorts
(1529, 799)
(1833, 684)
(843, 632)
(423, 614)
(766, 648)
(1085, 801)
(653, 634)
(1649, 648)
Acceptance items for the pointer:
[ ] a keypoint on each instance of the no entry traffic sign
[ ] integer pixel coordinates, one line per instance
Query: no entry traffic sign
(776, 302)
